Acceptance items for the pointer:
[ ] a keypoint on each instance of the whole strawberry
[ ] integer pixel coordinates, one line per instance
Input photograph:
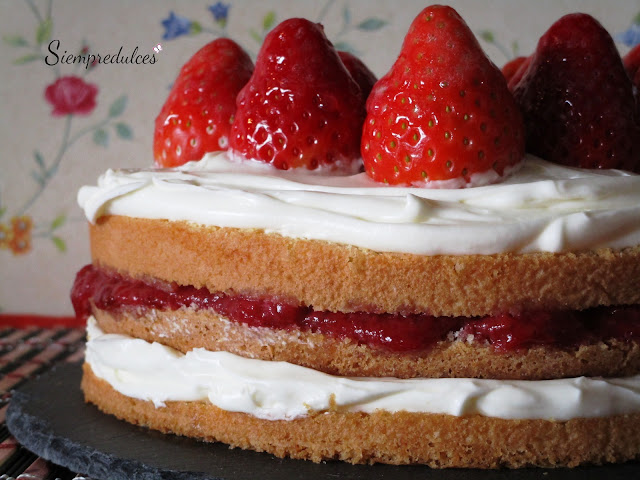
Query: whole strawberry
(443, 112)
(578, 102)
(301, 107)
(197, 116)
(364, 77)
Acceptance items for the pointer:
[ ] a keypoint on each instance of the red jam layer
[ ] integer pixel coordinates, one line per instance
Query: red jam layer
(393, 332)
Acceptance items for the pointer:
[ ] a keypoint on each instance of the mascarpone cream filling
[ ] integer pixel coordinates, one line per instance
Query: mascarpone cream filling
(283, 391)
(542, 207)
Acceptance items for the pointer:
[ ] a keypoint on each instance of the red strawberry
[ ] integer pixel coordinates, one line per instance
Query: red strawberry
(577, 100)
(519, 73)
(301, 107)
(443, 112)
(632, 63)
(364, 77)
(510, 68)
(197, 116)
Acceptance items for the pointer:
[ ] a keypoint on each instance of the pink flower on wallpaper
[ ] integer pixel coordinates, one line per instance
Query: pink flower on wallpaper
(71, 95)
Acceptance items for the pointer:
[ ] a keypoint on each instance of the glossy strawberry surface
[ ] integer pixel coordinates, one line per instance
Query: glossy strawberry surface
(364, 77)
(578, 102)
(443, 111)
(510, 68)
(301, 107)
(197, 115)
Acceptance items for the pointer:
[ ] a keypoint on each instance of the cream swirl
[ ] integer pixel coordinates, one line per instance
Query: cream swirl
(280, 390)
(540, 208)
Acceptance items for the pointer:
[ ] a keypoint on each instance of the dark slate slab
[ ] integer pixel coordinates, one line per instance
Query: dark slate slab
(50, 418)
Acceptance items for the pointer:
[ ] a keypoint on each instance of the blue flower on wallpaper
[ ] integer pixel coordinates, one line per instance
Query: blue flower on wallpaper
(220, 11)
(175, 26)
(631, 36)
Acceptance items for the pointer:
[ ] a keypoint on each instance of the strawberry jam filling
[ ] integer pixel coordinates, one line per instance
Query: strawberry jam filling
(394, 332)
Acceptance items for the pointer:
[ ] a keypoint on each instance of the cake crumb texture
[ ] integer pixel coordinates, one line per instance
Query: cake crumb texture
(186, 329)
(335, 277)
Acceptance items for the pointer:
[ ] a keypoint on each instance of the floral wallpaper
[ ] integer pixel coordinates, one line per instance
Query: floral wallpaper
(69, 95)
(176, 25)
(82, 80)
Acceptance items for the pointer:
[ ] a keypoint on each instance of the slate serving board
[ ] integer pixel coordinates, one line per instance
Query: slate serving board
(49, 417)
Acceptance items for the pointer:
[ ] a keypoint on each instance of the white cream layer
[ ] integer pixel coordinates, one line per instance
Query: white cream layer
(541, 208)
(279, 390)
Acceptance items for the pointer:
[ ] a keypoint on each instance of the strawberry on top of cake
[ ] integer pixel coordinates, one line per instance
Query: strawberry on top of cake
(443, 114)
(265, 292)
(197, 116)
(579, 104)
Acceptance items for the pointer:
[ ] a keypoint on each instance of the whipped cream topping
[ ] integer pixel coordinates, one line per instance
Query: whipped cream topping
(283, 391)
(542, 207)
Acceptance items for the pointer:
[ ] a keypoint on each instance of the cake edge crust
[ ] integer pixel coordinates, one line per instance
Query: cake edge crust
(335, 277)
(436, 440)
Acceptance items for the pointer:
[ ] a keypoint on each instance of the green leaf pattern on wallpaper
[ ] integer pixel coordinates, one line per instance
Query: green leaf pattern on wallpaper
(176, 25)
(70, 96)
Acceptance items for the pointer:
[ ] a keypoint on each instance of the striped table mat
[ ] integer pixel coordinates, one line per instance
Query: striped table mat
(24, 354)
